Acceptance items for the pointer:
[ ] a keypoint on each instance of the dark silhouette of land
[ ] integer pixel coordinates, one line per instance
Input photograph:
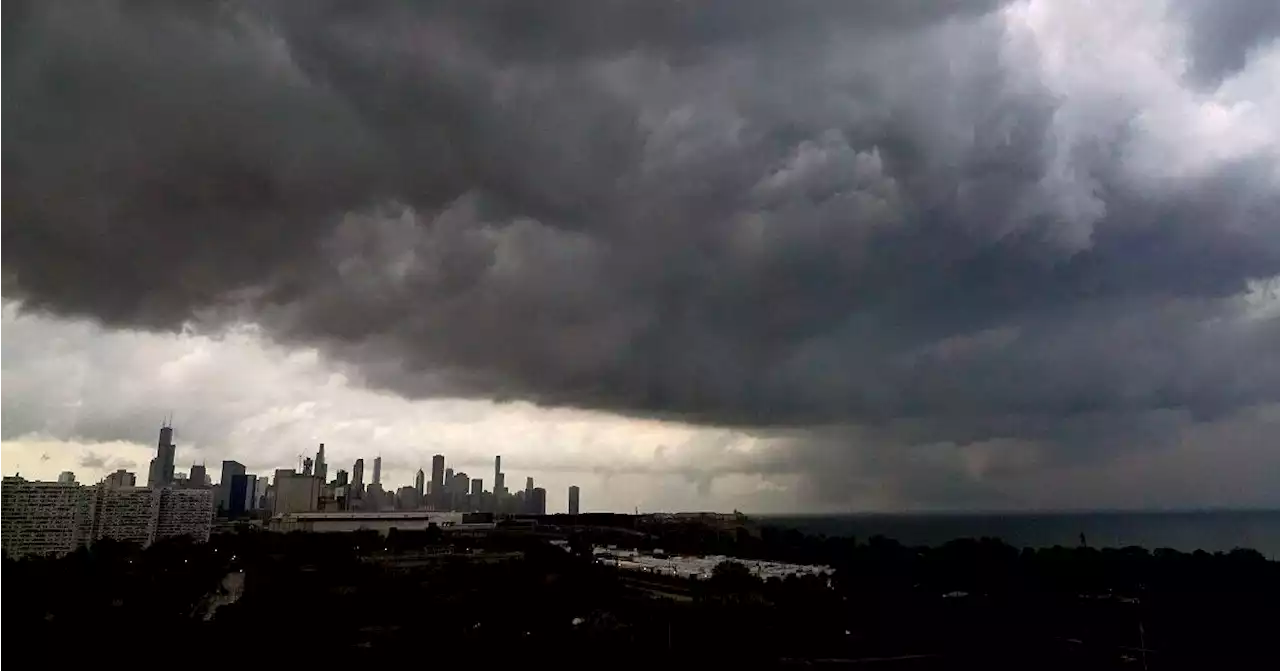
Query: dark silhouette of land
(513, 597)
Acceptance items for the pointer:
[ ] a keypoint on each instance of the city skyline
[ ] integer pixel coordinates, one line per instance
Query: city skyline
(238, 492)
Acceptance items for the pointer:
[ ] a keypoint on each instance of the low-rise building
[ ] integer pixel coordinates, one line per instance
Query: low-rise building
(382, 522)
(120, 479)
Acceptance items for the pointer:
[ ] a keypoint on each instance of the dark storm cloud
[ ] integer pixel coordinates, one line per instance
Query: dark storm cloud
(1224, 33)
(755, 213)
(1153, 459)
(563, 30)
(163, 155)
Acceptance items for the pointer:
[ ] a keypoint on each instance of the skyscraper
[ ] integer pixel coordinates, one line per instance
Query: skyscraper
(377, 470)
(574, 502)
(341, 478)
(420, 484)
(237, 494)
(437, 479)
(230, 469)
(307, 465)
(260, 492)
(477, 495)
(537, 501)
(458, 491)
(250, 492)
(197, 476)
(497, 479)
(161, 472)
(518, 504)
(322, 468)
(357, 475)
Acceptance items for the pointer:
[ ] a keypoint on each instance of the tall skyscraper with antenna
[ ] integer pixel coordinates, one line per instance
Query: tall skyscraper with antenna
(160, 474)
(497, 481)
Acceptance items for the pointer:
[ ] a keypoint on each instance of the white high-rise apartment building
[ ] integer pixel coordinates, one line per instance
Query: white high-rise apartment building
(50, 518)
(42, 517)
(128, 515)
(185, 512)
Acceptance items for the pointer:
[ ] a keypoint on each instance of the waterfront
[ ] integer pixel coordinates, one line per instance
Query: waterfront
(697, 566)
(1186, 531)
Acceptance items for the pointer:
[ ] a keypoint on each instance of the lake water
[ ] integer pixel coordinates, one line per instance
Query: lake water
(1186, 531)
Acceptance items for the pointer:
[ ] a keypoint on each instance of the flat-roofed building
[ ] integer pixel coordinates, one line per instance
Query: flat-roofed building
(50, 518)
(120, 479)
(128, 514)
(295, 493)
(42, 518)
(382, 522)
(185, 512)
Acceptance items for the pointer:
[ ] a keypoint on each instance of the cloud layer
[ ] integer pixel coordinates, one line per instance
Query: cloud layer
(931, 223)
(81, 398)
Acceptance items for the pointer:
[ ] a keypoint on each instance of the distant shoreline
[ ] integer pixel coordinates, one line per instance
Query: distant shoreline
(1022, 513)
(1184, 530)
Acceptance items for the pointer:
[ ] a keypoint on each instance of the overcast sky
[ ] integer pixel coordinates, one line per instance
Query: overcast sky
(814, 255)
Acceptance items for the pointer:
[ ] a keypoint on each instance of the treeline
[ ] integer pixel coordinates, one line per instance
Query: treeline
(985, 594)
(511, 597)
(102, 596)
